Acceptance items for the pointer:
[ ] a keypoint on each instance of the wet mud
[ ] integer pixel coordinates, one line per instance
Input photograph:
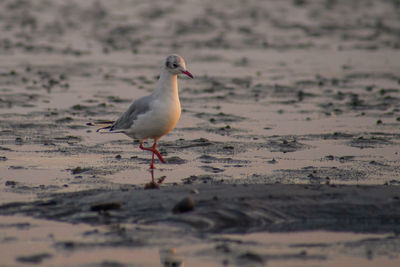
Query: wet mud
(286, 153)
(222, 216)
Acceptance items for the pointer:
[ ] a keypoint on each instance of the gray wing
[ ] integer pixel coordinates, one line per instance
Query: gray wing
(140, 106)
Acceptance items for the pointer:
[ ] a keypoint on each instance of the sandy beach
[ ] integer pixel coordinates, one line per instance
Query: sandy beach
(287, 152)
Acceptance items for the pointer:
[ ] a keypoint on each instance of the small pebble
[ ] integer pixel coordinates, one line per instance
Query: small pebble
(252, 257)
(10, 183)
(185, 205)
(78, 170)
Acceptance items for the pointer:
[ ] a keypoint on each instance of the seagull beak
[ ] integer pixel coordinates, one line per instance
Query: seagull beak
(187, 73)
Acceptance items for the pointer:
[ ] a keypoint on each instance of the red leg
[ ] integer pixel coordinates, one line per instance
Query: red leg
(154, 150)
(152, 163)
(158, 153)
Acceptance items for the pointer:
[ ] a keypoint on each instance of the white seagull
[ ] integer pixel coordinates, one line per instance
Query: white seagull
(155, 115)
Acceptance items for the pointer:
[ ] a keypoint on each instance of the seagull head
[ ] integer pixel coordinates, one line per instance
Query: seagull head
(176, 65)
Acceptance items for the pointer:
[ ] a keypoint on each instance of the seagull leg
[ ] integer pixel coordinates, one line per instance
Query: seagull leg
(152, 164)
(158, 153)
(154, 150)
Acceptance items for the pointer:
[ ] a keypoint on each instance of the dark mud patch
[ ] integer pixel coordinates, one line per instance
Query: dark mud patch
(176, 160)
(219, 117)
(211, 169)
(223, 130)
(34, 259)
(326, 175)
(370, 142)
(8, 101)
(285, 145)
(230, 208)
(208, 147)
(211, 159)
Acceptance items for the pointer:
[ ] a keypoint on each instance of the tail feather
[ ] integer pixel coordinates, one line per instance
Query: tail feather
(104, 128)
(102, 122)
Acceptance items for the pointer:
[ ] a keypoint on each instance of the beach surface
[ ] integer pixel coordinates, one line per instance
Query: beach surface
(287, 152)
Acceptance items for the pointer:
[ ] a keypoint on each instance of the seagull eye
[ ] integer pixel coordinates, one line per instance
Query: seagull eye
(175, 65)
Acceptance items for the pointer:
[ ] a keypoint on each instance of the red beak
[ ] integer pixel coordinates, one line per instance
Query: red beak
(187, 73)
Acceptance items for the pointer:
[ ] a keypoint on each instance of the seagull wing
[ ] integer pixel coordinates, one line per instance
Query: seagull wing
(138, 107)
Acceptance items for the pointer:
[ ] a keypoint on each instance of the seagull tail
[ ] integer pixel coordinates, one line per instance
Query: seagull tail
(103, 129)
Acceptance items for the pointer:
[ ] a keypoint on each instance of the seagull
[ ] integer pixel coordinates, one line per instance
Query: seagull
(155, 115)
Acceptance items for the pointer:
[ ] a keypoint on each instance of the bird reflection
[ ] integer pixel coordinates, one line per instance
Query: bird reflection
(154, 184)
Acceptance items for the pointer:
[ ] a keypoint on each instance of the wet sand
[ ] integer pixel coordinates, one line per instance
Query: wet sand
(228, 224)
(287, 148)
